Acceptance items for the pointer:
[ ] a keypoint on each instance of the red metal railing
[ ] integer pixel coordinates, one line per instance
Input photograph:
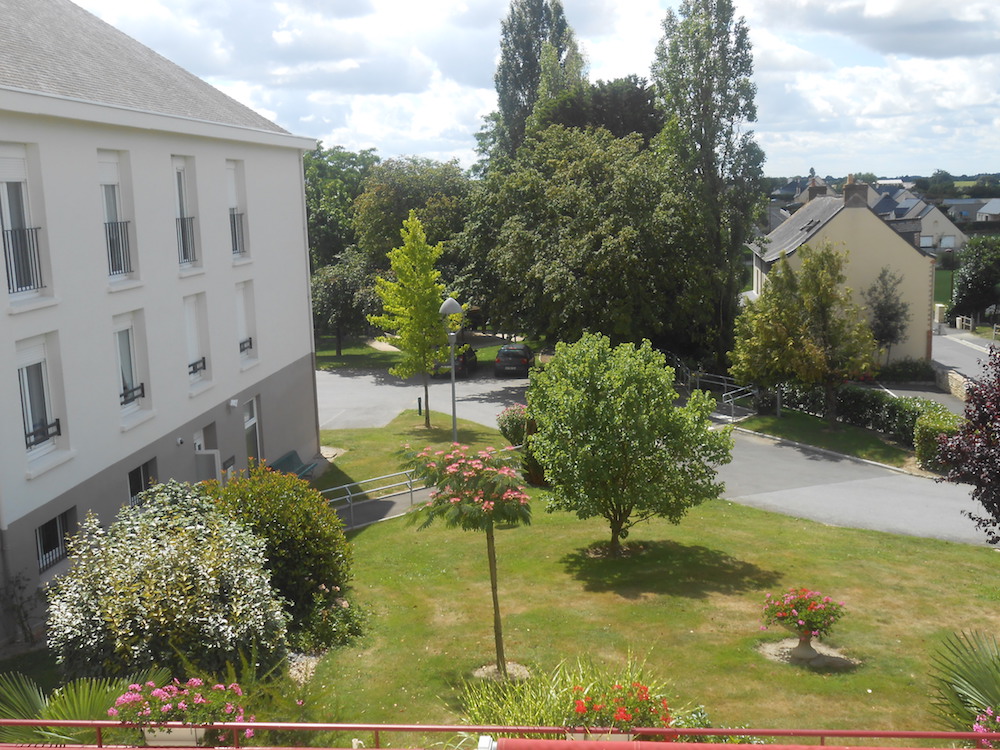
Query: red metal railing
(236, 731)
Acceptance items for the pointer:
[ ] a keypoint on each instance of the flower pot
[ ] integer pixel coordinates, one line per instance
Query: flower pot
(600, 736)
(804, 651)
(174, 737)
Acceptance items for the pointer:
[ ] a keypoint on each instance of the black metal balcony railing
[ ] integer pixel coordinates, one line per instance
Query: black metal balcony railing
(119, 257)
(20, 252)
(185, 240)
(246, 345)
(42, 434)
(236, 231)
(131, 395)
(197, 366)
(47, 559)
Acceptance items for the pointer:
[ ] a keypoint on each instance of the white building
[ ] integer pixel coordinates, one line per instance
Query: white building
(155, 318)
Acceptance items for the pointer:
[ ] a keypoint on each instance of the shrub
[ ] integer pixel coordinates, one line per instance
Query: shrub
(175, 579)
(930, 424)
(966, 679)
(511, 423)
(907, 370)
(332, 621)
(307, 552)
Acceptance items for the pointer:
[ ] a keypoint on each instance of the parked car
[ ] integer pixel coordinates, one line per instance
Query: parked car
(466, 361)
(513, 359)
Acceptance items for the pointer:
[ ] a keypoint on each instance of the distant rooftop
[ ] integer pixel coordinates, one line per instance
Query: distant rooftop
(57, 48)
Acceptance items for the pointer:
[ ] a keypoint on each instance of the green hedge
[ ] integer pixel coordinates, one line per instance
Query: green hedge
(870, 408)
(930, 425)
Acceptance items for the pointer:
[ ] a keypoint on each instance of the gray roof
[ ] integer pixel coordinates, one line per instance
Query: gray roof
(991, 207)
(55, 47)
(800, 227)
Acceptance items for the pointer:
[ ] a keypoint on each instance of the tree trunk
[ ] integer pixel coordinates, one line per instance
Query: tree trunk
(427, 403)
(491, 553)
(340, 338)
(830, 403)
(615, 550)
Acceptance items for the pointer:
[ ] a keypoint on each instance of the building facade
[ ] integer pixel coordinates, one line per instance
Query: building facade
(156, 319)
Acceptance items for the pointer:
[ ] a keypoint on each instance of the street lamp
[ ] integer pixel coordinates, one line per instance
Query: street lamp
(451, 307)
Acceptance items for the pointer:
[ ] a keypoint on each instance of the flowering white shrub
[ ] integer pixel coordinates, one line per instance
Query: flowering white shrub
(172, 580)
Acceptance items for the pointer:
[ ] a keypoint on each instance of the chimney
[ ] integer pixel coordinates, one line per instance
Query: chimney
(816, 189)
(855, 193)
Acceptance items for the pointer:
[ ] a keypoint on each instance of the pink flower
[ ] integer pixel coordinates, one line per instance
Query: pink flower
(112, 712)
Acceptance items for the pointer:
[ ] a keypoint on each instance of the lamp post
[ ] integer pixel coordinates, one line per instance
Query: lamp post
(451, 307)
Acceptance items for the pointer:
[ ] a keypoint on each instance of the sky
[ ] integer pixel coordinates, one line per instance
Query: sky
(893, 87)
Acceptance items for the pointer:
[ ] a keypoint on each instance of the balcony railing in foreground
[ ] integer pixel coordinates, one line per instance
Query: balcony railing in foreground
(687, 738)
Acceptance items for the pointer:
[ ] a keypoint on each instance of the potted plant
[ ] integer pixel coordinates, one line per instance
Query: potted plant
(194, 702)
(609, 713)
(806, 613)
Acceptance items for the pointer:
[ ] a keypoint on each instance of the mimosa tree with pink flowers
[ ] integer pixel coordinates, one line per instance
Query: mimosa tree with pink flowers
(475, 491)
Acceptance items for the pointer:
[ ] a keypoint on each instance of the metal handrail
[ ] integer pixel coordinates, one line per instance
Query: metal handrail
(354, 490)
(238, 729)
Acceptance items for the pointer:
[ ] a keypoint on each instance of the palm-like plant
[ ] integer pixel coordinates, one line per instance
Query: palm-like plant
(966, 678)
(83, 699)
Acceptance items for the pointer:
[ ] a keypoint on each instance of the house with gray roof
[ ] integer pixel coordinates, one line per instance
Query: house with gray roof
(157, 315)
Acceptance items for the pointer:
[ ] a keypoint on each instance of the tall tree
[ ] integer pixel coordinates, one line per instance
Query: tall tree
(436, 191)
(411, 302)
(888, 312)
(804, 327)
(973, 455)
(702, 72)
(342, 297)
(613, 441)
(528, 26)
(333, 181)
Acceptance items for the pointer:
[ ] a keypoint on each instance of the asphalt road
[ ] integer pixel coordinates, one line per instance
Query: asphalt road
(960, 351)
(766, 474)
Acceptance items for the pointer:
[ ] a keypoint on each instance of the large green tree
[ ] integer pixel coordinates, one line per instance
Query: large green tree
(411, 301)
(333, 181)
(343, 296)
(436, 191)
(977, 281)
(888, 312)
(588, 232)
(613, 440)
(804, 327)
(703, 75)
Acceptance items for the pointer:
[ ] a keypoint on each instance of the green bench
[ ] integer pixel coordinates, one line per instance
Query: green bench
(290, 463)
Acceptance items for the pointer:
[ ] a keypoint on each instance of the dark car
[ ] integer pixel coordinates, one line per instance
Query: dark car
(466, 361)
(513, 359)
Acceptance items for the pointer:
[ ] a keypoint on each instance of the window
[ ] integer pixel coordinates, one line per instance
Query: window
(20, 239)
(40, 427)
(252, 429)
(116, 234)
(186, 251)
(927, 240)
(948, 241)
(131, 389)
(50, 540)
(234, 183)
(140, 479)
(197, 337)
(245, 321)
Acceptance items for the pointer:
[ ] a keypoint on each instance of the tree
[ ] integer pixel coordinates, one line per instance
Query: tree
(586, 232)
(528, 26)
(889, 314)
(804, 327)
(973, 455)
(612, 440)
(342, 297)
(977, 281)
(411, 303)
(173, 581)
(333, 181)
(702, 73)
(475, 491)
(436, 191)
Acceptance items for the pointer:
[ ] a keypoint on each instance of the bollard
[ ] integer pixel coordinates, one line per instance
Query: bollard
(419, 409)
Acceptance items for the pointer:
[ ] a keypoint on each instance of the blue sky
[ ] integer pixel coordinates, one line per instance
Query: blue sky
(886, 86)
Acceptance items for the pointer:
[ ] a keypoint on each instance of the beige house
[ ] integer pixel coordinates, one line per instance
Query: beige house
(848, 224)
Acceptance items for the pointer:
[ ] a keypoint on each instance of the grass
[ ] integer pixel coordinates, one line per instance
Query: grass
(354, 355)
(844, 438)
(942, 286)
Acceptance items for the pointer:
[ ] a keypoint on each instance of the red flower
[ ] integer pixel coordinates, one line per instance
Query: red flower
(581, 707)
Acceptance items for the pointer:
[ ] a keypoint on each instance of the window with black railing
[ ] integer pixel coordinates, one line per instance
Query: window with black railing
(50, 541)
(119, 256)
(236, 231)
(185, 240)
(21, 256)
(42, 433)
(197, 366)
(246, 345)
(133, 394)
